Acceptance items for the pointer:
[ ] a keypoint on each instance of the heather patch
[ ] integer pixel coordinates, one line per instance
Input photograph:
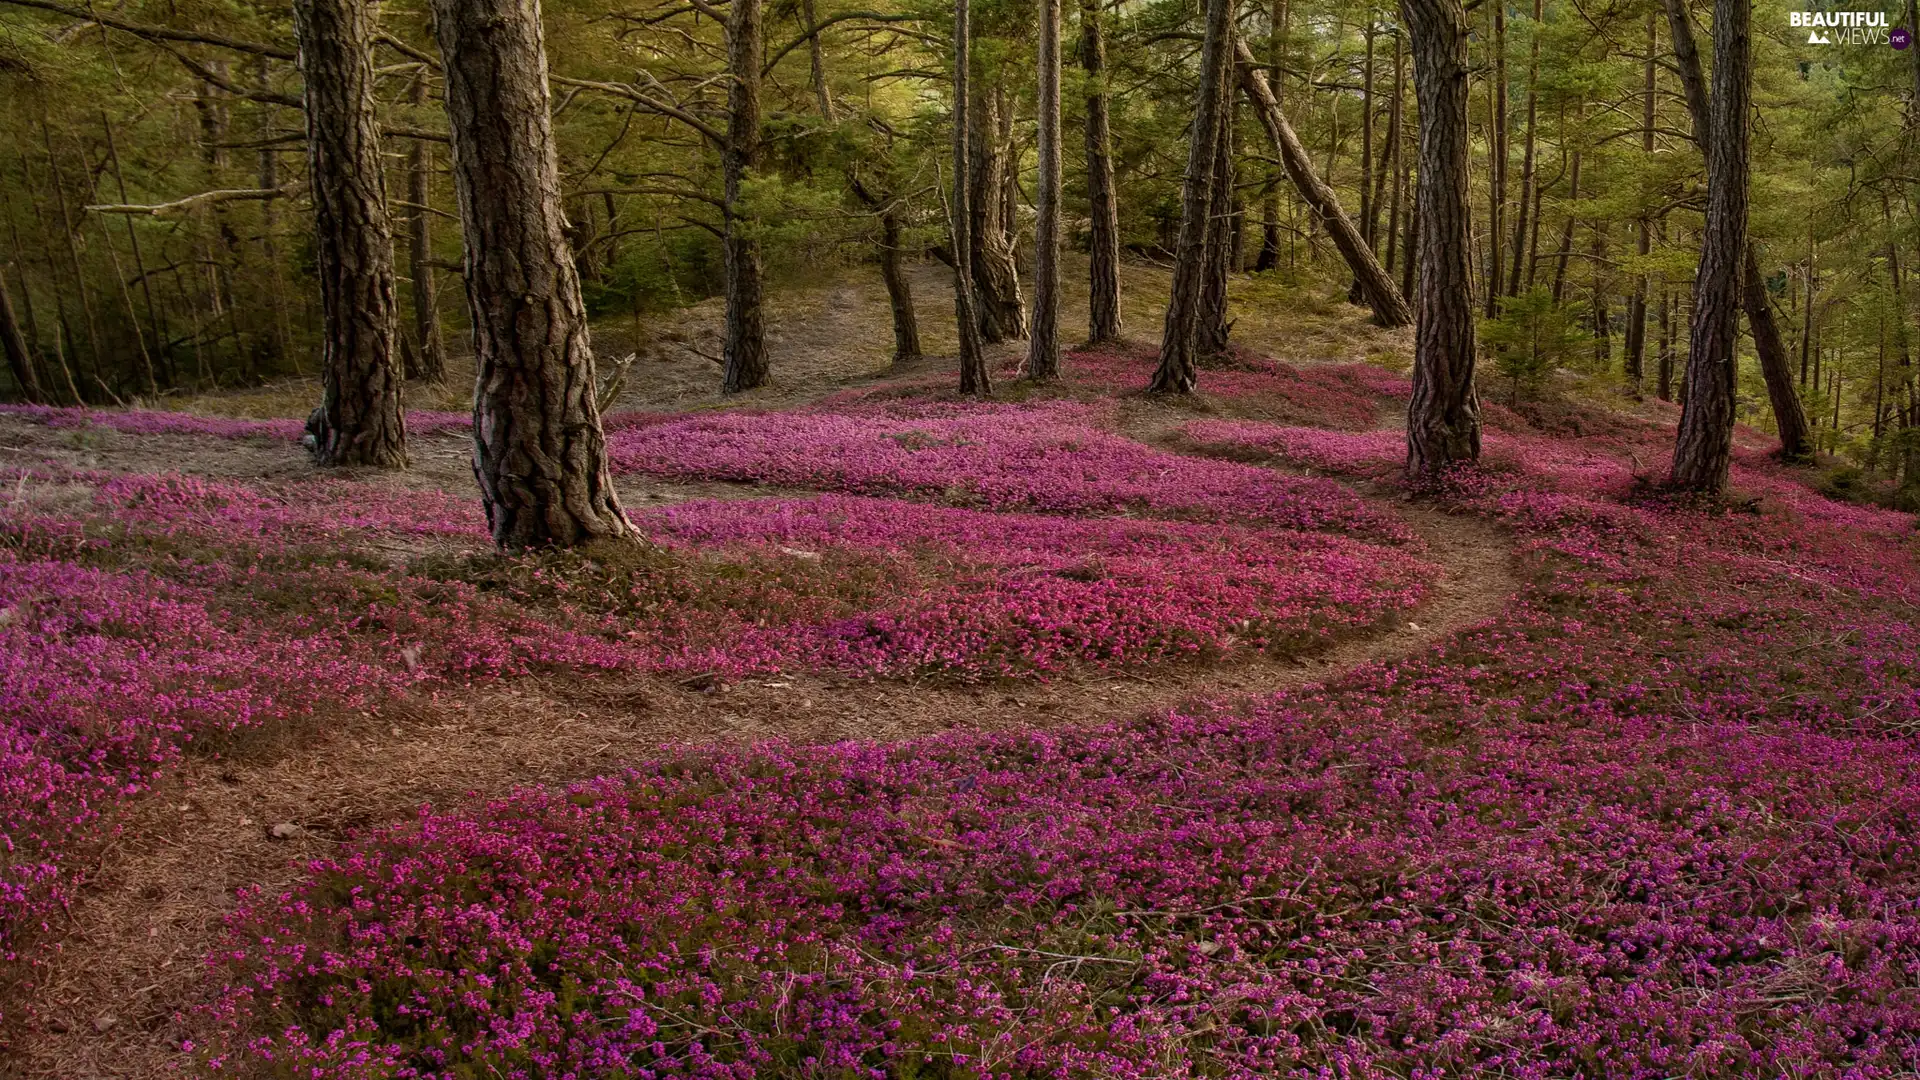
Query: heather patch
(1053, 458)
(1348, 397)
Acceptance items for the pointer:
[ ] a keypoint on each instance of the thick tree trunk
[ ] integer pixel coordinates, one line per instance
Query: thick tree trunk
(1043, 346)
(1789, 415)
(906, 324)
(1443, 419)
(1389, 307)
(974, 376)
(745, 347)
(1212, 326)
(26, 374)
(1703, 452)
(539, 453)
(429, 350)
(1177, 373)
(996, 276)
(359, 420)
(1103, 207)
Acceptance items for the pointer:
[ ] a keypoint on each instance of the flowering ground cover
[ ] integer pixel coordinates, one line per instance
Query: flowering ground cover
(1658, 819)
(140, 613)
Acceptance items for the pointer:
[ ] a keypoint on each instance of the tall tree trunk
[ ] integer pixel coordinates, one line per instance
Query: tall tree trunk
(1703, 452)
(1103, 208)
(539, 453)
(745, 346)
(1666, 346)
(974, 375)
(906, 323)
(1443, 418)
(1368, 204)
(1043, 345)
(996, 276)
(1212, 326)
(359, 420)
(1528, 179)
(1179, 340)
(1389, 307)
(1789, 415)
(1643, 239)
(1497, 172)
(26, 374)
(1566, 231)
(1269, 256)
(817, 64)
(429, 350)
(1394, 173)
(268, 174)
(139, 263)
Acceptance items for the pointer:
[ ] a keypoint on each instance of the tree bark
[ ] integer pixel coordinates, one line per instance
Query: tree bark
(1103, 208)
(1389, 307)
(975, 378)
(1703, 451)
(1789, 414)
(906, 323)
(359, 421)
(1497, 172)
(1177, 373)
(19, 357)
(1269, 256)
(1443, 418)
(817, 64)
(429, 350)
(1212, 327)
(1043, 343)
(1528, 178)
(1395, 172)
(1643, 239)
(996, 276)
(539, 451)
(745, 346)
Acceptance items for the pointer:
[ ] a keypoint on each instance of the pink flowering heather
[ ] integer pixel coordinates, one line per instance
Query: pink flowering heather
(1657, 819)
(1350, 397)
(1052, 457)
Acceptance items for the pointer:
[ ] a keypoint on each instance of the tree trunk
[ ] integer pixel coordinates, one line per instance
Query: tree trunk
(1103, 208)
(906, 324)
(1395, 171)
(19, 357)
(538, 450)
(1703, 452)
(359, 421)
(1497, 151)
(1443, 418)
(1269, 256)
(1178, 341)
(817, 64)
(1043, 346)
(974, 375)
(996, 276)
(1212, 327)
(1368, 204)
(1389, 307)
(1643, 240)
(1566, 232)
(1528, 178)
(429, 350)
(1666, 346)
(745, 347)
(1789, 415)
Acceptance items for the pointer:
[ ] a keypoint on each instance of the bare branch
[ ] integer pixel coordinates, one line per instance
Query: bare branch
(191, 201)
(157, 33)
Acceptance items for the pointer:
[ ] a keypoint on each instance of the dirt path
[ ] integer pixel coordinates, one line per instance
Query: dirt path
(130, 958)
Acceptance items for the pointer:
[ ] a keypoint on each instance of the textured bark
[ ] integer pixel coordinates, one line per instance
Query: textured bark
(1378, 290)
(1395, 172)
(1566, 232)
(817, 64)
(1177, 372)
(1043, 346)
(996, 277)
(1789, 415)
(1665, 385)
(359, 421)
(1269, 256)
(26, 374)
(1212, 327)
(1103, 207)
(1369, 225)
(429, 350)
(745, 347)
(1443, 419)
(906, 324)
(974, 376)
(538, 450)
(1703, 451)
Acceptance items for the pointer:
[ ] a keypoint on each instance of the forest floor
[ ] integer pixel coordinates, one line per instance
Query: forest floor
(1117, 572)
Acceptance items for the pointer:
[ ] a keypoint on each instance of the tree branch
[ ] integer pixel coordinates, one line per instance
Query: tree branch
(157, 33)
(191, 201)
